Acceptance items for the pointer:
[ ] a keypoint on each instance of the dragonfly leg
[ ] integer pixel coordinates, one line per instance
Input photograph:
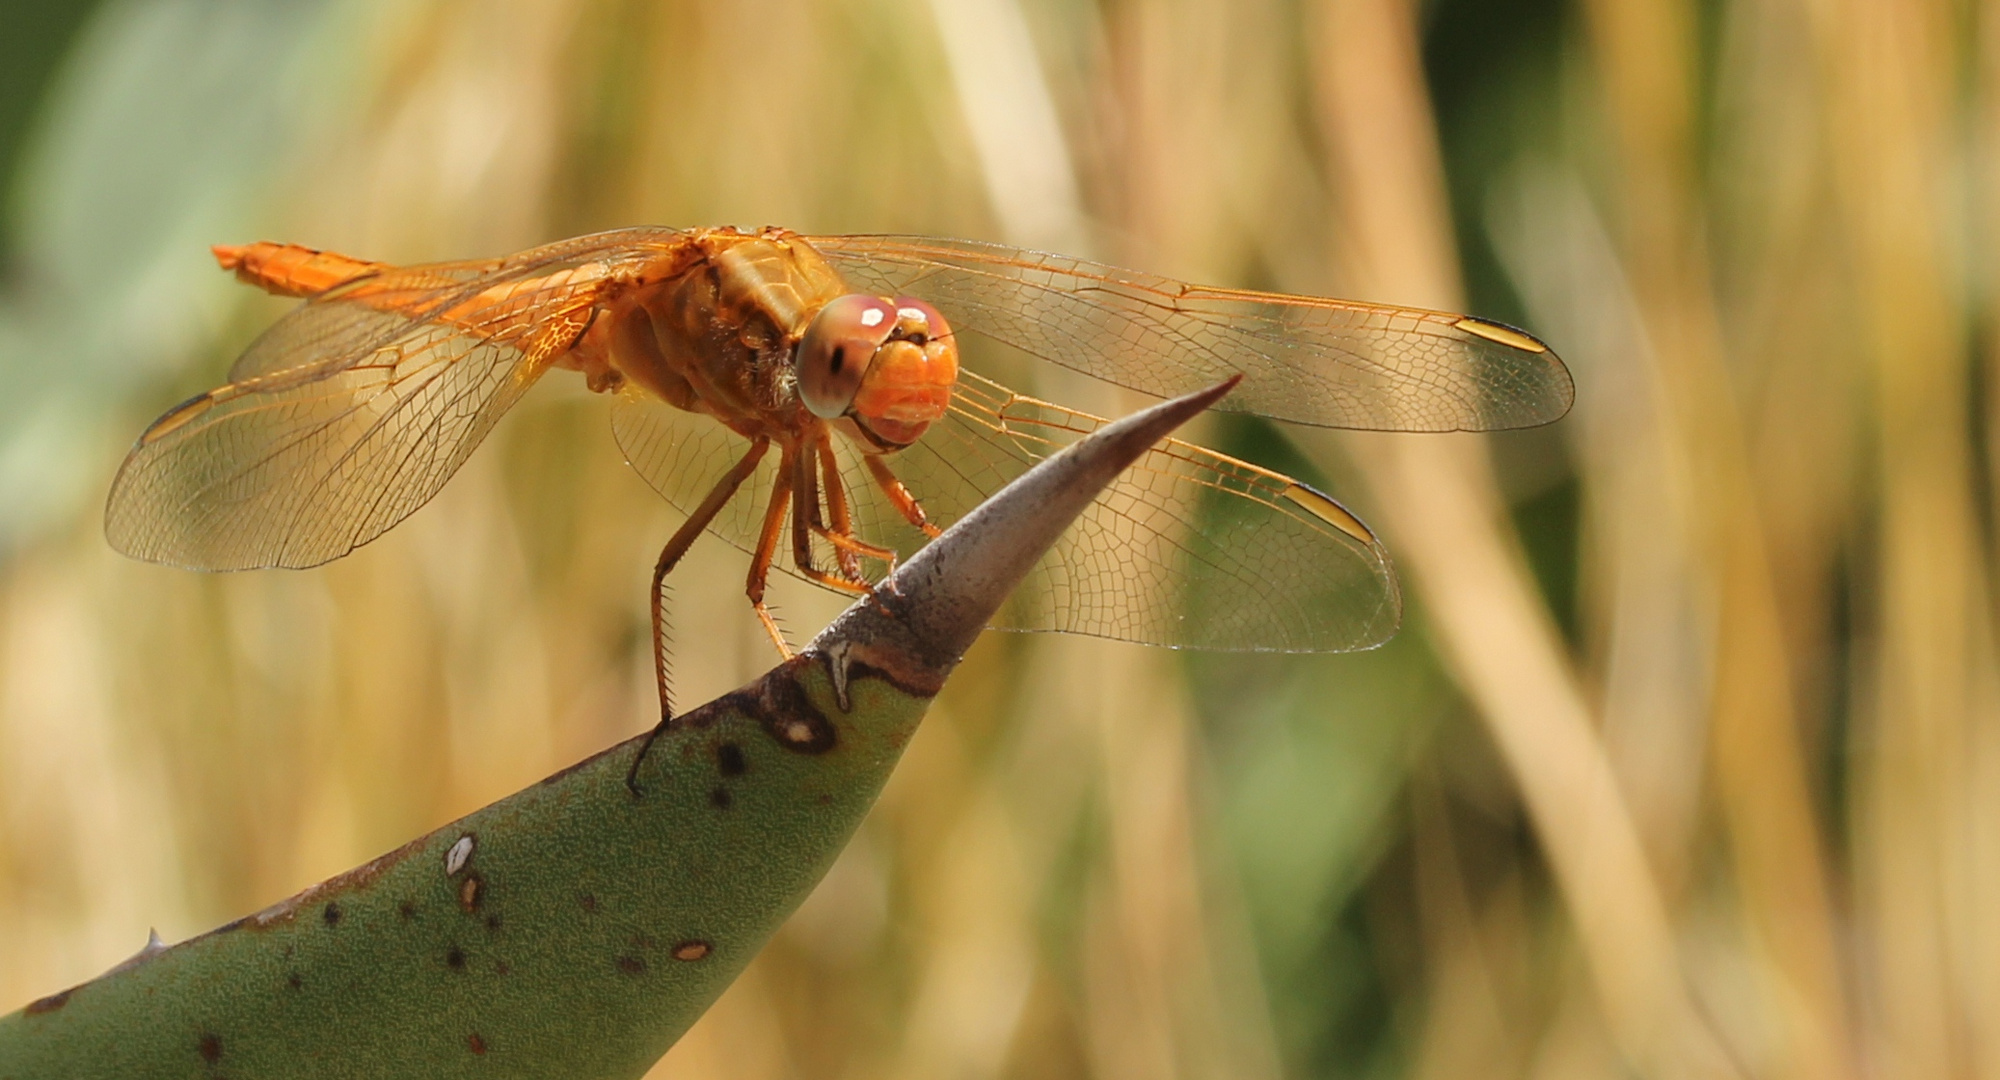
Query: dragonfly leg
(905, 503)
(842, 522)
(847, 543)
(806, 522)
(767, 549)
(849, 548)
(677, 546)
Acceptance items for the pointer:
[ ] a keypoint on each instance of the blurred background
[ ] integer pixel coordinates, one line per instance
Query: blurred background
(1686, 763)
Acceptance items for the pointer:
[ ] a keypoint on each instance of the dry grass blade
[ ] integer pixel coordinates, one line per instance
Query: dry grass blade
(1689, 730)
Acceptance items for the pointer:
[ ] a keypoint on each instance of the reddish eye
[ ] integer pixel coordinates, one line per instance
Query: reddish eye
(837, 348)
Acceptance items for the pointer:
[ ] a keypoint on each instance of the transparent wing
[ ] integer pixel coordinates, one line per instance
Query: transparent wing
(1307, 360)
(353, 410)
(336, 333)
(683, 455)
(294, 475)
(1189, 548)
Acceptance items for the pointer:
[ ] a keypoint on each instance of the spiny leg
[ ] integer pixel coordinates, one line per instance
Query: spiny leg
(841, 521)
(683, 538)
(805, 521)
(899, 496)
(677, 546)
(847, 543)
(767, 548)
(849, 548)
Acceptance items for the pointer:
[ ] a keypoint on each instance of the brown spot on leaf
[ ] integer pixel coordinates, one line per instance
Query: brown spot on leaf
(589, 902)
(49, 1004)
(793, 720)
(331, 914)
(632, 965)
(476, 1044)
(294, 981)
(691, 950)
(720, 798)
(493, 922)
(470, 892)
(780, 705)
(407, 909)
(455, 959)
(729, 759)
(211, 1048)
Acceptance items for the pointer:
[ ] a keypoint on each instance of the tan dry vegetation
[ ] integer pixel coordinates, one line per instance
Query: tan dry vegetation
(1687, 760)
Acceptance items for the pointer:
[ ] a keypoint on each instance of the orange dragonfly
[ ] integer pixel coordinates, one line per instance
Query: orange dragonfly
(841, 353)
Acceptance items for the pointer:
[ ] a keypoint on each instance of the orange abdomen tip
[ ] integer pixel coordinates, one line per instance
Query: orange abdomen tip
(229, 256)
(291, 269)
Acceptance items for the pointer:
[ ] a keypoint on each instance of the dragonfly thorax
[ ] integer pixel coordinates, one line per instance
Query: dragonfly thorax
(717, 333)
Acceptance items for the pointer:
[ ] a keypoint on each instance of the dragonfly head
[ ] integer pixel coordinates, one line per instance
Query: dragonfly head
(886, 365)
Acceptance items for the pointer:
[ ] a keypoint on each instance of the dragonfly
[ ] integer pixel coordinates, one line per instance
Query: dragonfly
(808, 390)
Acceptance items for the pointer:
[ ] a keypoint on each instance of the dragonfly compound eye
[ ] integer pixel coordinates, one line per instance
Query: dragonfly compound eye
(838, 346)
(909, 385)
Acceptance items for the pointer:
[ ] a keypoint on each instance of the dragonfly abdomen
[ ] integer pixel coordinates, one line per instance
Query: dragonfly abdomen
(292, 269)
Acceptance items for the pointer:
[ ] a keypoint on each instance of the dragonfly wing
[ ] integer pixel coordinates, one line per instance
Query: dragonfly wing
(336, 335)
(353, 410)
(683, 455)
(1188, 548)
(1306, 360)
(297, 471)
